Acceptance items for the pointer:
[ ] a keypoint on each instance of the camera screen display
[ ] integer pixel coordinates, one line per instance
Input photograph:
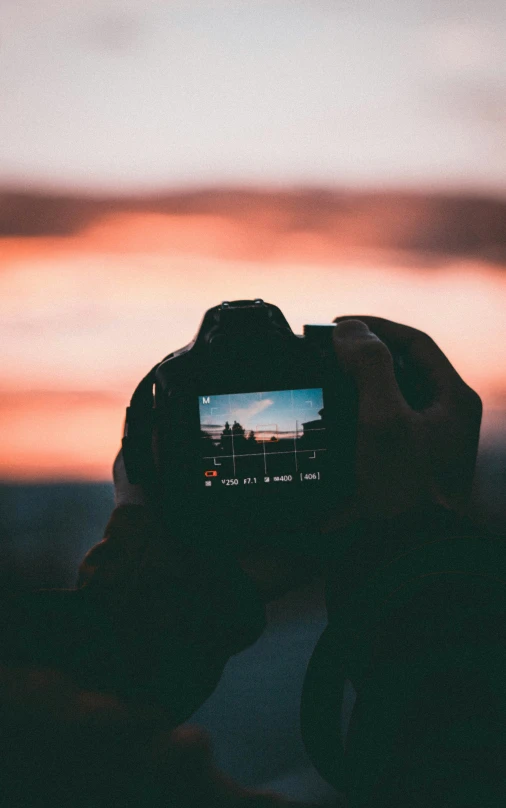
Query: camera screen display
(270, 438)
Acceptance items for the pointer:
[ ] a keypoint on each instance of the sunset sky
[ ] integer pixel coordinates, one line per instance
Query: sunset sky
(80, 326)
(122, 96)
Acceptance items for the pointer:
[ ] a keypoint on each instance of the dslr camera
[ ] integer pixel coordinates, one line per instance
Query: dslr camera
(247, 434)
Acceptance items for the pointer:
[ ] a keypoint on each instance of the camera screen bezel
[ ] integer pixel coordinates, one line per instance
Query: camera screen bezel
(284, 509)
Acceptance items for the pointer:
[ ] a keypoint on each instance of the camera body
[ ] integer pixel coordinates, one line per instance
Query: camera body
(246, 435)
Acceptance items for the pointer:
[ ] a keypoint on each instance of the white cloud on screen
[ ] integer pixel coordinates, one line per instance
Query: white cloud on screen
(253, 409)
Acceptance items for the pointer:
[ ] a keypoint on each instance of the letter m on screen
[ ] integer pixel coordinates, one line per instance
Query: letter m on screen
(206, 399)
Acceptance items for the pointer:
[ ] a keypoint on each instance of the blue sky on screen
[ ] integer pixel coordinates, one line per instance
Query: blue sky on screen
(278, 411)
(123, 94)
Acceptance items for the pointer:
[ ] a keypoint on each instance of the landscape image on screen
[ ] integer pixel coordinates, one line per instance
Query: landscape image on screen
(263, 437)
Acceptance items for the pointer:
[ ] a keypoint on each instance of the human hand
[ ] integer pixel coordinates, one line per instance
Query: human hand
(414, 468)
(179, 615)
(407, 461)
(407, 458)
(125, 492)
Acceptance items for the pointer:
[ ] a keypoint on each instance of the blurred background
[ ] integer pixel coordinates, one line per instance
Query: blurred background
(157, 158)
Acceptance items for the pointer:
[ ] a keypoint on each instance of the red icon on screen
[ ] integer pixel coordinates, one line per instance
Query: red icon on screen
(211, 473)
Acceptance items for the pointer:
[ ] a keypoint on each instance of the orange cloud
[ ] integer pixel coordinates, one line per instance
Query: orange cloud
(55, 435)
(257, 225)
(93, 309)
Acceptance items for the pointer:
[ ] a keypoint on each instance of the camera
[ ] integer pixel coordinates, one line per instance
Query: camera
(247, 434)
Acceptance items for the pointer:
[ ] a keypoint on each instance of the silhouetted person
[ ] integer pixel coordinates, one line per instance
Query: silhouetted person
(95, 681)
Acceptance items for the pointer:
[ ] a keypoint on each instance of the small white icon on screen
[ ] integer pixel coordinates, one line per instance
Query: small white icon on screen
(267, 479)
(208, 482)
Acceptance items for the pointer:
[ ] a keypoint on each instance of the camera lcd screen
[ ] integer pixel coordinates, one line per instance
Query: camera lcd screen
(272, 438)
